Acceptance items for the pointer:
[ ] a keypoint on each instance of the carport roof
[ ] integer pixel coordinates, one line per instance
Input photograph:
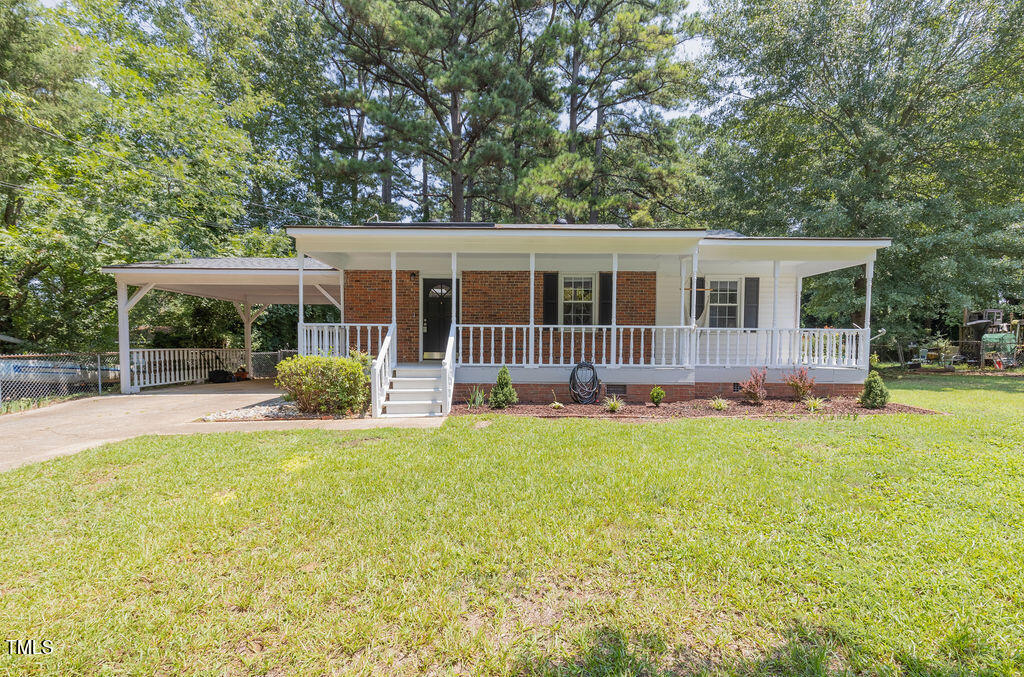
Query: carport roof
(260, 280)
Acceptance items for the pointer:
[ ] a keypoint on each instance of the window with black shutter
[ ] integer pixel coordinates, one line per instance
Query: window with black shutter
(751, 299)
(604, 299)
(550, 298)
(700, 299)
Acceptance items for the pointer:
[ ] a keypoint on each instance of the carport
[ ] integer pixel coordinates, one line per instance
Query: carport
(251, 284)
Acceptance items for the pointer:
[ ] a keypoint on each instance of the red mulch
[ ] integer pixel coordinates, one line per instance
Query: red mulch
(837, 406)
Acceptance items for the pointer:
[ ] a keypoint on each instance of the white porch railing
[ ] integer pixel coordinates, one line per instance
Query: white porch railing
(658, 346)
(448, 368)
(338, 339)
(781, 347)
(382, 368)
(164, 366)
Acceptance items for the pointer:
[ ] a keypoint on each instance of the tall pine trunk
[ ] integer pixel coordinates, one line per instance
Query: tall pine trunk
(595, 184)
(455, 147)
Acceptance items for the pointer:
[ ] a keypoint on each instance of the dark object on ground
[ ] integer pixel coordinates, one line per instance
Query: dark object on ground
(220, 376)
(584, 386)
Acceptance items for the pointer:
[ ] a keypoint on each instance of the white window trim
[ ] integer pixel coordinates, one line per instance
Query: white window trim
(595, 303)
(705, 318)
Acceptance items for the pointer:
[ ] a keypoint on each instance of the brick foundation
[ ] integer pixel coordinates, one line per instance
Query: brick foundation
(540, 393)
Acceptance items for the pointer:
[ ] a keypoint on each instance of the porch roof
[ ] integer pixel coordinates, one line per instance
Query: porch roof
(259, 280)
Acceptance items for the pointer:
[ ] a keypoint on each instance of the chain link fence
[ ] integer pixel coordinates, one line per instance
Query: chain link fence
(27, 380)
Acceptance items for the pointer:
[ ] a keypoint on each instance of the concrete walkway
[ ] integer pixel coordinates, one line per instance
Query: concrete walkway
(39, 434)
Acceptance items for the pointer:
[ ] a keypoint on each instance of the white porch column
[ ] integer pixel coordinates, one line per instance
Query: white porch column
(799, 295)
(455, 287)
(123, 347)
(301, 255)
(394, 288)
(776, 272)
(869, 274)
(694, 333)
(533, 283)
(615, 298)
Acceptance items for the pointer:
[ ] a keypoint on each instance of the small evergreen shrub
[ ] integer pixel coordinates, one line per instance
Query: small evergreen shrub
(719, 403)
(324, 385)
(754, 390)
(657, 395)
(801, 382)
(613, 404)
(875, 394)
(503, 394)
(476, 397)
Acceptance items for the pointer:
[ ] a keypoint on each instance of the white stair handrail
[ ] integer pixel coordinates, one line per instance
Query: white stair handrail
(448, 369)
(381, 370)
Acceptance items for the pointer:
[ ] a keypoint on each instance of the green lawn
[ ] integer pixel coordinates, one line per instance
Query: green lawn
(871, 545)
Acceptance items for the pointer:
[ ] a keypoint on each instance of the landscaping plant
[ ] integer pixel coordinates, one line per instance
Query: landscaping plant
(503, 394)
(555, 404)
(801, 382)
(476, 397)
(875, 394)
(324, 385)
(657, 395)
(613, 403)
(815, 404)
(719, 403)
(754, 390)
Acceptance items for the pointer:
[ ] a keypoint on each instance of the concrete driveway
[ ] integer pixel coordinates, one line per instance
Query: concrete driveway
(39, 434)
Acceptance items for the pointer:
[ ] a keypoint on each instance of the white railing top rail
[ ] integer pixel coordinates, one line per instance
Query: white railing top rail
(381, 370)
(448, 367)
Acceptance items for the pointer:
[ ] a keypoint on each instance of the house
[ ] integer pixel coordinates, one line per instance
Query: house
(690, 310)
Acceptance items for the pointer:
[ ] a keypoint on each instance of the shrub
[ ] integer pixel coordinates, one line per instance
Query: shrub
(875, 395)
(815, 404)
(503, 394)
(324, 385)
(613, 404)
(801, 382)
(657, 395)
(874, 361)
(754, 390)
(555, 404)
(364, 359)
(719, 403)
(476, 397)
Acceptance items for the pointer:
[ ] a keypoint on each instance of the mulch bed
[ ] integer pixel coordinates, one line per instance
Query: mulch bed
(834, 407)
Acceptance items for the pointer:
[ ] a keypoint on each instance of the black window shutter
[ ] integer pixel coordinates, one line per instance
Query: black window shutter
(751, 296)
(550, 296)
(604, 297)
(700, 299)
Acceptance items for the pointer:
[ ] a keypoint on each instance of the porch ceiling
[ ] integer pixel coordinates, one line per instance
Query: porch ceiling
(260, 281)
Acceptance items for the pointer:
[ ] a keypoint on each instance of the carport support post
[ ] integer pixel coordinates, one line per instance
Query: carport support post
(302, 315)
(123, 348)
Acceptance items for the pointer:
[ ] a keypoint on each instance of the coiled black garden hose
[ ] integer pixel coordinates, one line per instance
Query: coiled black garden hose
(584, 385)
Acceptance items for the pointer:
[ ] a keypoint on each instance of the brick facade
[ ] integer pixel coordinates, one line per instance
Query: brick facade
(368, 300)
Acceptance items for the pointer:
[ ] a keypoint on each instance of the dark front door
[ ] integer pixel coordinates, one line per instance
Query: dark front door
(437, 316)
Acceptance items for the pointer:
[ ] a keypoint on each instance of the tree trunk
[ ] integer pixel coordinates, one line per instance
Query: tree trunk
(385, 184)
(469, 199)
(455, 147)
(426, 192)
(595, 185)
(574, 117)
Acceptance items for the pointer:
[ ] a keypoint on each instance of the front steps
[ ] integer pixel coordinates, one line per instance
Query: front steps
(416, 390)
